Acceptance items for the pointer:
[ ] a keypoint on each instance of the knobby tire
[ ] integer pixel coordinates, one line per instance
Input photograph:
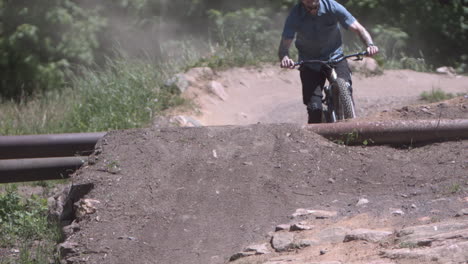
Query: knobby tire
(343, 102)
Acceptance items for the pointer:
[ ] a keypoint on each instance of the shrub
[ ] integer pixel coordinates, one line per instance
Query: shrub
(436, 95)
(245, 36)
(39, 42)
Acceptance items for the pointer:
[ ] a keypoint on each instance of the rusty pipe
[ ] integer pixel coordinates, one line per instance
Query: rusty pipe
(19, 170)
(393, 131)
(51, 145)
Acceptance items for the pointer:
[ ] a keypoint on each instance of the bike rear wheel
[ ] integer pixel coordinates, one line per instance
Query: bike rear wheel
(343, 101)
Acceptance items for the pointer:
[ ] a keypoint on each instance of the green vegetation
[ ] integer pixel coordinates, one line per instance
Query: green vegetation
(436, 95)
(125, 94)
(402, 28)
(455, 188)
(24, 226)
(242, 43)
(410, 245)
(40, 41)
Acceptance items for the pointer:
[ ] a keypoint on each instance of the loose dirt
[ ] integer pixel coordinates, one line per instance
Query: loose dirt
(203, 194)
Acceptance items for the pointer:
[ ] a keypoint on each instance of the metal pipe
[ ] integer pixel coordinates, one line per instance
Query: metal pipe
(39, 169)
(52, 145)
(393, 131)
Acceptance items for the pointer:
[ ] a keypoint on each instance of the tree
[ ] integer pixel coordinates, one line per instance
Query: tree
(436, 28)
(39, 43)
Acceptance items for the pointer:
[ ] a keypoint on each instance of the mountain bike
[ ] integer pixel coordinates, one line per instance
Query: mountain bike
(338, 101)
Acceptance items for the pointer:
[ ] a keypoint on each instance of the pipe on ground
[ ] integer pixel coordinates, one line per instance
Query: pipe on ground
(19, 170)
(395, 132)
(52, 145)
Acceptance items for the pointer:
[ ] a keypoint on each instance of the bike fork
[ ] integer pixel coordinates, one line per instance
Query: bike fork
(330, 115)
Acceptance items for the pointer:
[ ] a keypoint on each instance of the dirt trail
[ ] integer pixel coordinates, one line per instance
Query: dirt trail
(272, 95)
(204, 194)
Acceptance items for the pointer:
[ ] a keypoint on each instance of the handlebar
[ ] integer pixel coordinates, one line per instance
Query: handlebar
(359, 56)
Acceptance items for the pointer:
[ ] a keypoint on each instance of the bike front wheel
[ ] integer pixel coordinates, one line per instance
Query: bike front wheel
(344, 104)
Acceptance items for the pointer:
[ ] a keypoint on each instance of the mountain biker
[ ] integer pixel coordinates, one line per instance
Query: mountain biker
(315, 24)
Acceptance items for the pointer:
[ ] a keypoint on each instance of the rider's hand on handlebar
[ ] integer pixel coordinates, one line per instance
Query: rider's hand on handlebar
(286, 62)
(372, 50)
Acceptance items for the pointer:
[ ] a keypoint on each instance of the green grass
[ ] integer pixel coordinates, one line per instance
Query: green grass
(127, 94)
(436, 95)
(124, 94)
(24, 225)
(454, 188)
(410, 245)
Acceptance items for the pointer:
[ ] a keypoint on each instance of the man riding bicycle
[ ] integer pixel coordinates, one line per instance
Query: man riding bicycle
(314, 23)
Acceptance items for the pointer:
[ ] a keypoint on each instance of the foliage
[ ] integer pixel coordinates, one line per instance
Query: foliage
(24, 222)
(41, 114)
(245, 36)
(39, 43)
(436, 95)
(126, 94)
(437, 29)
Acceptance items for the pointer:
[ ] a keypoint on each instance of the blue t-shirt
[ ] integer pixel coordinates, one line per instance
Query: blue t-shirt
(318, 37)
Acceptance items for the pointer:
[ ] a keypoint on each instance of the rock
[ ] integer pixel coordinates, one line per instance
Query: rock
(426, 235)
(67, 248)
(185, 121)
(319, 214)
(56, 205)
(217, 89)
(70, 229)
(304, 243)
(300, 227)
(179, 81)
(199, 74)
(259, 249)
(282, 241)
(443, 105)
(362, 202)
(282, 227)
(462, 212)
(446, 70)
(85, 207)
(367, 235)
(332, 235)
(244, 115)
(448, 253)
(381, 262)
(241, 255)
(398, 212)
(296, 260)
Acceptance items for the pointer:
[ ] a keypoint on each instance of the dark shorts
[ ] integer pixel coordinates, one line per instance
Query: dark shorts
(313, 81)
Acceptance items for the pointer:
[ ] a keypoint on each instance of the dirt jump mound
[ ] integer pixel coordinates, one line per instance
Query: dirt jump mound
(201, 195)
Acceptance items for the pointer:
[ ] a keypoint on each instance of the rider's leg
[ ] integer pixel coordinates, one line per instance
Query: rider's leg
(312, 85)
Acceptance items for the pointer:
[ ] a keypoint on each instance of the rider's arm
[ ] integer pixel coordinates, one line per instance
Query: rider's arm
(366, 38)
(283, 53)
